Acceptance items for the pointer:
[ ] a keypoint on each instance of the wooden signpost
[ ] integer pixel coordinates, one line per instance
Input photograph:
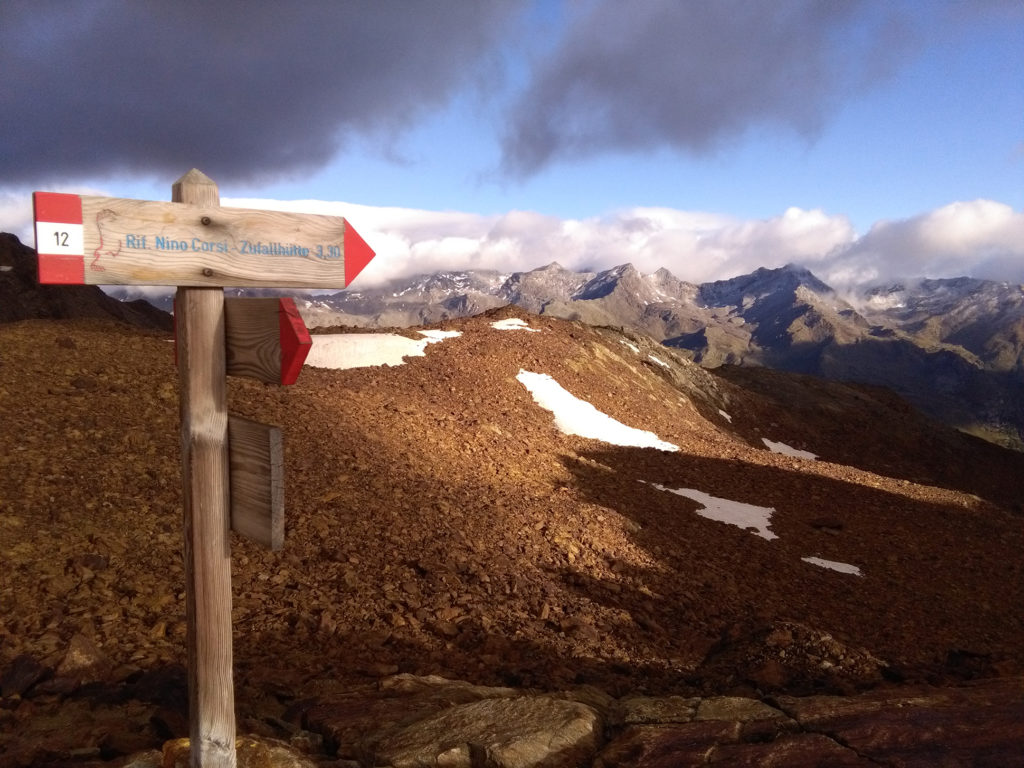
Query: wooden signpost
(232, 468)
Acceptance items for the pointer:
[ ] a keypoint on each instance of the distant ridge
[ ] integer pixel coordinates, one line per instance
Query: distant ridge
(22, 298)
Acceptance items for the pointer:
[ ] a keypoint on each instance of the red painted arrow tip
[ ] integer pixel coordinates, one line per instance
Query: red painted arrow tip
(357, 253)
(295, 341)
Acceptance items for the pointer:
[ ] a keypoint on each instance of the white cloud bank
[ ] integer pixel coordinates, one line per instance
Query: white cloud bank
(979, 238)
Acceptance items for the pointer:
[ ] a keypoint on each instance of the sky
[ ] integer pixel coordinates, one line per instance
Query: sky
(868, 140)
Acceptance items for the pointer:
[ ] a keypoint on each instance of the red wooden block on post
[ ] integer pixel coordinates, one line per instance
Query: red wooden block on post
(295, 341)
(264, 339)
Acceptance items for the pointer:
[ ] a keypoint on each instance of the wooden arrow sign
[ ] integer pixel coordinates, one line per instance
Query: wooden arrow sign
(115, 241)
(266, 339)
(232, 468)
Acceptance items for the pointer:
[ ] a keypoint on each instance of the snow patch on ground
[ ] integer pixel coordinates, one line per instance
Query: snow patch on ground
(578, 417)
(787, 450)
(360, 350)
(634, 347)
(745, 516)
(662, 363)
(439, 335)
(513, 324)
(749, 517)
(833, 565)
(725, 415)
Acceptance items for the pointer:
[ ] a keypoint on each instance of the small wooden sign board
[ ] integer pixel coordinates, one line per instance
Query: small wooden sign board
(264, 339)
(256, 466)
(115, 241)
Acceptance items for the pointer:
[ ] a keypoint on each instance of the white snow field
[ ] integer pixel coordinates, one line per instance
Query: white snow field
(787, 450)
(513, 324)
(359, 350)
(749, 517)
(745, 516)
(578, 417)
(833, 565)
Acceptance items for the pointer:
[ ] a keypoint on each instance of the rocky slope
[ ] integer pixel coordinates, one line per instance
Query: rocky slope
(439, 523)
(984, 318)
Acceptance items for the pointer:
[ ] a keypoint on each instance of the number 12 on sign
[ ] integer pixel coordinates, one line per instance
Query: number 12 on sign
(60, 237)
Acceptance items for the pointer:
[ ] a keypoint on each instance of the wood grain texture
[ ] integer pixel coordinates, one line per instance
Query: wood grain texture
(253, 337)
(257, 481)
(266, 339)
(204, 445)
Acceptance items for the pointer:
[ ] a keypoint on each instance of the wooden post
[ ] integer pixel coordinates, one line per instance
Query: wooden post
(204, 447)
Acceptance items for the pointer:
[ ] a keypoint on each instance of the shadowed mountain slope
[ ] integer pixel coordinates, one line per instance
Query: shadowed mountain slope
(437, 505)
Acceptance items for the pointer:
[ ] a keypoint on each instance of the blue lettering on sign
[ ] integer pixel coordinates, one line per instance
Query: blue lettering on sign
(259, 248)
(207, 246)
(170, 244)
(135, 241)
(333, 252)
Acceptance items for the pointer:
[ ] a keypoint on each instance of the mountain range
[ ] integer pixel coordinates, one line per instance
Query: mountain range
(952, 347)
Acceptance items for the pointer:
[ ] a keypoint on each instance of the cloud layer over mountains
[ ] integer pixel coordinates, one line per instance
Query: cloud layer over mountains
(981, 238)
(152, 88)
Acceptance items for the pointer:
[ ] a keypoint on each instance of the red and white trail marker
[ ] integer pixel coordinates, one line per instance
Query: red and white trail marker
(60, 241)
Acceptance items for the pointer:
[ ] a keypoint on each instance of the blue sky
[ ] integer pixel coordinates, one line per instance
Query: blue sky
(948, 126)
(868, 140)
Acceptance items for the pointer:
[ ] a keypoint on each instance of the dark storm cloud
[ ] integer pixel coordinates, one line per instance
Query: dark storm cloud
(241, 89)
(693, 75)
